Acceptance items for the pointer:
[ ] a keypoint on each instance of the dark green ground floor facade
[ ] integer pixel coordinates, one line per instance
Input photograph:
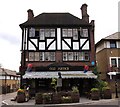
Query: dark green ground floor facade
(44, 85)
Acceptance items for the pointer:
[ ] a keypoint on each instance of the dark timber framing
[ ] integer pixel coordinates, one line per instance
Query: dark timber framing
(43, 44)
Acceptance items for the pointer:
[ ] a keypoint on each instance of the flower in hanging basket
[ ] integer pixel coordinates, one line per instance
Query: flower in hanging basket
(20, 91)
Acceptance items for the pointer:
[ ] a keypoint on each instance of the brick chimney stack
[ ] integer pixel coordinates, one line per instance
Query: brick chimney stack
(85, 16)
(30, 14)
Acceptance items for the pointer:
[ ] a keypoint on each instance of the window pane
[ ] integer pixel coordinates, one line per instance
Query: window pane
(64, 56)
(85, 32)
(81, 32)
(112, 44)
(75, 34)
(42, 36)
(86, 56)
(81, 56)
(36, 56)
(47, 32)
(32, 32)
(52, 32)
(75, 56)
(36, 32)
(31, 56)
(69, 32)
(41, 56)
(70, 56)
(113, 62)
(64, 32)
(52, 57)
(47, 56)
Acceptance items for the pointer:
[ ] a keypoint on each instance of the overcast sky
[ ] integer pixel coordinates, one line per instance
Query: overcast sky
(14, 12)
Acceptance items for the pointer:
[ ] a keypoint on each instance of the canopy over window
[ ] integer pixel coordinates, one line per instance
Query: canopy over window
(64, 74)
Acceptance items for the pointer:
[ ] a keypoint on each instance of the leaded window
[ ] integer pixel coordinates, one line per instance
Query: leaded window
(31, 56)
(41, 56)
(76, 56)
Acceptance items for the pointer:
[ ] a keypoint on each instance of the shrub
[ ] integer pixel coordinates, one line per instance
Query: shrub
(20, 91)
(20, 96)
(75, 89)
(94, 89)
(56, 98)
(47, 97)
(66, 99)
(105, 88)
(106, 93)
(95, 94)
(38, 98)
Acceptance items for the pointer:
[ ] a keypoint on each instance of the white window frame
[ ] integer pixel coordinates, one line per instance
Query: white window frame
(113, 58)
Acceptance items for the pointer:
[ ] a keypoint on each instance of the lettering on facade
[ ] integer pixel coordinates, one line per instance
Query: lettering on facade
(59, 68)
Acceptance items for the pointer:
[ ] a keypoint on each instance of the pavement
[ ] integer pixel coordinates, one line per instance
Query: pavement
(6, 100)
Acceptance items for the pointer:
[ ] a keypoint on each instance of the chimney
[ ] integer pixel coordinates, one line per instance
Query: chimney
(85, 16)
(30, 14)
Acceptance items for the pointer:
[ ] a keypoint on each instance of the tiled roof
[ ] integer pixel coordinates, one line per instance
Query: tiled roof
(55, 19)
(64, 74)
(7, 72)
(115, 36)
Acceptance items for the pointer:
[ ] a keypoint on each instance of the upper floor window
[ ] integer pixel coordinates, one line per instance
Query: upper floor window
(112, 44)
(41, 56)
(75, 33)
(42, 33)
(84, 32)
(75, 56)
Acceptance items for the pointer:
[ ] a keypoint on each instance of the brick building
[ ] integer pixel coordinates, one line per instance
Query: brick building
(108, 56)
(9, 81)
(57, 42)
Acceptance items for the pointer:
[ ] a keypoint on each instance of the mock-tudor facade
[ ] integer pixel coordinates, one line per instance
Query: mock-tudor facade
(57, 42)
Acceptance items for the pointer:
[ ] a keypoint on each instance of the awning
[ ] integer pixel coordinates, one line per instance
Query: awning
(112, 73)
(64, 74)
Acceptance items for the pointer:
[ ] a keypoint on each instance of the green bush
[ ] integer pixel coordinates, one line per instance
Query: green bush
(75, 89)
(66, 99)
(94, 89)
(105, 88)
(47, 96)
(95, 94)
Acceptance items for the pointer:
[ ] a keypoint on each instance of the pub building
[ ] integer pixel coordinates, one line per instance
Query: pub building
(57, 44)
